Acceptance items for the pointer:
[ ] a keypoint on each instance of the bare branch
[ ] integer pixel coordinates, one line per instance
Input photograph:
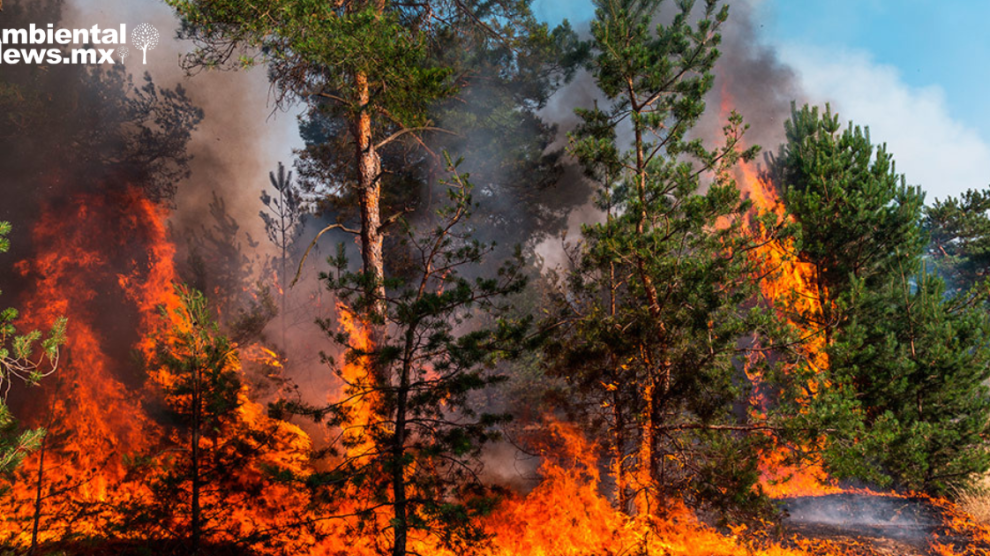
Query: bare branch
(313, 244)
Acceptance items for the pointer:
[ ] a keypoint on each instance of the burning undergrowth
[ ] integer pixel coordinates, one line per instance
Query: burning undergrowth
(104, 418)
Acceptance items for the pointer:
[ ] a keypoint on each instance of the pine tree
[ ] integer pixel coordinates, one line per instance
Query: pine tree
(857, 219)
(656, 306)
(413, 443)
(223, 450)
(220, 264)
(960, 238)
(380, 93)
(282, 224)
(902, 397)
(918, 363)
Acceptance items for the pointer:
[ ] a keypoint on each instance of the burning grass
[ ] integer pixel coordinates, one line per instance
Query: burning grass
(975, 500)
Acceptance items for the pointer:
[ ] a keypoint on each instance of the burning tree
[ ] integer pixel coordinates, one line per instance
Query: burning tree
(197, 372)
(229, 451)
(655, 308)
(412, 426)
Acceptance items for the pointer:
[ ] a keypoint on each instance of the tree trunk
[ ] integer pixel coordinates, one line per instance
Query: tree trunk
(37, 496)
(659, 378)
(283, 230)
(399, 499)
(644, 478)
(619, 451)
(36, 521)
(369, 197)
(197, 395)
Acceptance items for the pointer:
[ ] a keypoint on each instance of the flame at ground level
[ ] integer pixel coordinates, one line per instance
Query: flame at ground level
(115, 247)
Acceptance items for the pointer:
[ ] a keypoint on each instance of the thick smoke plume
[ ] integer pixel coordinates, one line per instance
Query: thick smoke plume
(751, 79)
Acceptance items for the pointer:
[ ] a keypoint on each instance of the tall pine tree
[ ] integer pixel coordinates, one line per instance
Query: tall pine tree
(656, 307)
(902, 398)
(412, 444)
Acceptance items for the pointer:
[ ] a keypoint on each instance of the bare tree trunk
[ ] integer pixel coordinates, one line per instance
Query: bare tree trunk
(37, 497)
(36, 521)
(282, 277)
(369, 193)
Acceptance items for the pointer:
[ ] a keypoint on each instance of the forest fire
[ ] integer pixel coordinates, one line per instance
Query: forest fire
(791, 287)
(714, 365)
(94, 418)
(81, 482)
(83, 479)
(118, 441)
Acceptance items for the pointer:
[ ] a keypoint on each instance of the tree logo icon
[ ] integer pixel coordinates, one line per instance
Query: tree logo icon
(144, 37)
(122, 53)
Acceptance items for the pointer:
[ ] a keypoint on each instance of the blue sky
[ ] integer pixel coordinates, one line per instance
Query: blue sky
(932, 42)
(915, 71)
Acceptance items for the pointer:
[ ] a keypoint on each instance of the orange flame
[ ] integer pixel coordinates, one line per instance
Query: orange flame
(95, 420)
(791, 286)
(90, 413)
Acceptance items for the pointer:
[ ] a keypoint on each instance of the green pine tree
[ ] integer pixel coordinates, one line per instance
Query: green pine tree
(857, 219)
(902, 399)
(960, 239)
(917, 363)
(656, 307)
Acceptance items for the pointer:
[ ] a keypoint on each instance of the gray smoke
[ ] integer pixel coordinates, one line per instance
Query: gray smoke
(242, 136)
(749, 78)
(905, 519)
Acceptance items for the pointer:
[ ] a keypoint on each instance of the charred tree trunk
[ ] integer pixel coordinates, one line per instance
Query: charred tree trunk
(400, 500)
(194, 509)
(37, 497)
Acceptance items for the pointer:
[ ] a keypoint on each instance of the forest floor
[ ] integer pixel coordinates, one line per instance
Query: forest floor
(869, 525)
